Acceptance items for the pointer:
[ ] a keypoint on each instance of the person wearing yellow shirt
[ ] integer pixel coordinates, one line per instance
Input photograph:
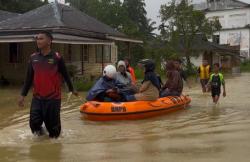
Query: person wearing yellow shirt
(204, 72)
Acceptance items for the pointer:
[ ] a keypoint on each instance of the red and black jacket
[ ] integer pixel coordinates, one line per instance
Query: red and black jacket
(46, 73)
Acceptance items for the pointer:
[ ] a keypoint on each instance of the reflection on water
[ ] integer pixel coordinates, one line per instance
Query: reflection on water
(203, 132)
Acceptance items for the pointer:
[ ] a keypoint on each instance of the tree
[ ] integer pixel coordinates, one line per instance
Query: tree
(128, 17)
(140, 27)
(20, 6)
(107, 11)
(137, 13)
(181, 23)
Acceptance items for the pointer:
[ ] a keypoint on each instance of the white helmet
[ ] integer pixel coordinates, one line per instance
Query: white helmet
(109, 71)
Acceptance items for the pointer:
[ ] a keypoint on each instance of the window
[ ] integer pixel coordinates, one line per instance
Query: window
(14, 53)
(107, 53)
(69, 53)
(85, 53)
(103, 52)
(98, 53)
(216, 39)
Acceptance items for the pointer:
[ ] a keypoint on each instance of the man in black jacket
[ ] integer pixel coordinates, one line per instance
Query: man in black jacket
(45, 72)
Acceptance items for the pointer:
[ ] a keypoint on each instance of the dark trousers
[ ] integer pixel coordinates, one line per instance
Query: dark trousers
(47, 112)
(203, 84)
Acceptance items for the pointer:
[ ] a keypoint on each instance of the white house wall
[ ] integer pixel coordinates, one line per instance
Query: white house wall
(231, 18)
(236, 37)
(197, 61)
(234, 31)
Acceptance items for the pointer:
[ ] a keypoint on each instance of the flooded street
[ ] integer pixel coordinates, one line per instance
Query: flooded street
(201, 133)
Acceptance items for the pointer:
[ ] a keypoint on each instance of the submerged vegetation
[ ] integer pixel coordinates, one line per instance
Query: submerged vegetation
(245, 66)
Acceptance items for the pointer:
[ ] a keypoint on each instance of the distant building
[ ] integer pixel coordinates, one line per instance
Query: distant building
(234, 16)
(84, 42)
(227, 56)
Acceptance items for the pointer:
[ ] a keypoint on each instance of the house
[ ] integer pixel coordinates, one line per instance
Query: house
(84, 42)
(234, 16)
(201, 48)
(227, 56)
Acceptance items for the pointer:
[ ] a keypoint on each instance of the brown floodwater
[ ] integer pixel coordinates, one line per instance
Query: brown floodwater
(203, 132)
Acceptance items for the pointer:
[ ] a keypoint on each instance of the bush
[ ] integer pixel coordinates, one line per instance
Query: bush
(191, 71)
(245, 66)
(72, 70)
(81, 85)
(139, 73)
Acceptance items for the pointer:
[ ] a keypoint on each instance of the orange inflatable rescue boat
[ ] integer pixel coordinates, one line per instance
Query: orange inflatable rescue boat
(105, 111)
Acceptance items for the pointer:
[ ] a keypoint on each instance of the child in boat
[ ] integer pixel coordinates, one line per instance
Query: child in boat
(105, 88)
(149, 90)
(130, 70)
(174, 84)
(215, 81)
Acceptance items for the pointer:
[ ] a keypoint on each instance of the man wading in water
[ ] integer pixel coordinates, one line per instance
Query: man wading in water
(204, 71)
(45, 71)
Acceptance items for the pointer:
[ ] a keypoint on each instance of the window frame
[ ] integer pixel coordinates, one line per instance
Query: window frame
(85, 53)
(102, 59)
(18, 54)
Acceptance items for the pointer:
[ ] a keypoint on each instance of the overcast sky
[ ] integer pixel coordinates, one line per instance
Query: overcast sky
(153, 7)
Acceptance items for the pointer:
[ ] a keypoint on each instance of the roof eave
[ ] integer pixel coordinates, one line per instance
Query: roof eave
(228, 9)
(124, 39)
(58, 38)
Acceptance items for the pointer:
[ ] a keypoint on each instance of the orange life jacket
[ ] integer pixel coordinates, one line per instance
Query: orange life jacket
(132, 72)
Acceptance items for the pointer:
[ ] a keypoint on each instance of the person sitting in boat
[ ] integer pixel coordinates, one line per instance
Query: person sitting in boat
(130, 70)
(149, 90)
(105, 88)
(174, 84)
(122, 75)
(124, 81)
(141, 64)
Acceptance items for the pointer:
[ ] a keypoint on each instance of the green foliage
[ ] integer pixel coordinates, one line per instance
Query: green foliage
(128, 16)
(180, 24)
(137, 14)
(81, 85)
(20, 6)
(139, 73)
(110, 12)
(245, 66)
(190, 70)
(72, 70)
